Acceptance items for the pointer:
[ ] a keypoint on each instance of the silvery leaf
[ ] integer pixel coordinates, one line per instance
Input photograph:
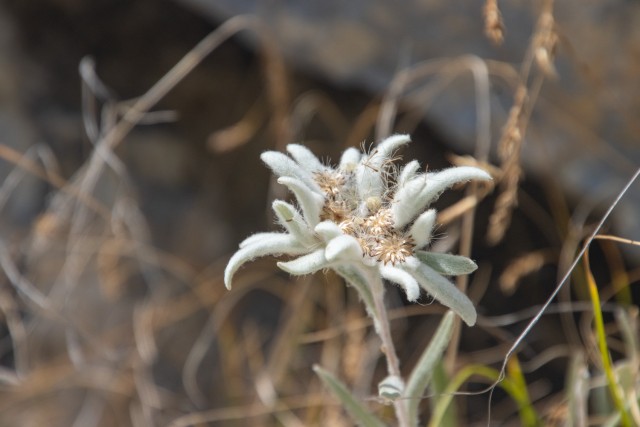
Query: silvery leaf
(357, 277)
(447, 264)
(442, 290)
(423, 371)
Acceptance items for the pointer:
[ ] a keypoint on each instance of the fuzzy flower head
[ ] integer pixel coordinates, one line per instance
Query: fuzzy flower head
(364, 217)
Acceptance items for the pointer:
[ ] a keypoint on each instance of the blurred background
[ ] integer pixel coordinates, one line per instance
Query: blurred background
(112, 303)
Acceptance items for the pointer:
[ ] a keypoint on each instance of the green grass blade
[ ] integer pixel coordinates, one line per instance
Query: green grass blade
(527, 414)
(358, 412)
(612, 383)
(437, 386)
(529, 418)
(423, 370)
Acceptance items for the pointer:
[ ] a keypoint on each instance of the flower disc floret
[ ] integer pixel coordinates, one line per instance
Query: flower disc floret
(393, 249)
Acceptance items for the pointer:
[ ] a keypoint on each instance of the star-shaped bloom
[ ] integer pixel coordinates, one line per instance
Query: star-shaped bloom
(364, 217)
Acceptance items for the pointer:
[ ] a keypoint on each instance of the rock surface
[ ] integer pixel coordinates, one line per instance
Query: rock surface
(583, 129)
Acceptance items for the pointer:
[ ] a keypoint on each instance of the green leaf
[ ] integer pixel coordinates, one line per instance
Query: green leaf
(442, 290)
(437, 386)
(421, 374)
(447, 264)
(358, 412)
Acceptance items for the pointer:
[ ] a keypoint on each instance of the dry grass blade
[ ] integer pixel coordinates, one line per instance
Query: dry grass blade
(493, 25)
(524, 265)
(239, 133)
(510, 145)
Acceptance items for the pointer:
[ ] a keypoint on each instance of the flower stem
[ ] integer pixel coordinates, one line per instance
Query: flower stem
(383, 328)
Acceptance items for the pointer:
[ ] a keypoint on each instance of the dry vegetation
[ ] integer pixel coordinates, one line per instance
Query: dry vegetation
(104, 325)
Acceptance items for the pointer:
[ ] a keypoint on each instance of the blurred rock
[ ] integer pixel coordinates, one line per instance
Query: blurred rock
(584, 127)
(20, 196)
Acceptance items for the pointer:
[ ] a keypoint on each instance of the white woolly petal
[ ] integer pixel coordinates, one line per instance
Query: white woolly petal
(290, 218)
(343, 248)
(350, 159)
(404, 279)
(414, 196)
(385, 149)
(442, 290)
(369, 180)
(328, 230)
(447, 264)
(437, 182)
(407, 203)
(310, 201)
(306, 264)
(410, 263)
(275, 244)
(259, 237)
(305, 157)
(283, 166)
(422, 228)
(408, 172)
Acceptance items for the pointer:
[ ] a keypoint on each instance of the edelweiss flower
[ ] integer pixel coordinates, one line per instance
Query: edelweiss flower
(363, 219)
